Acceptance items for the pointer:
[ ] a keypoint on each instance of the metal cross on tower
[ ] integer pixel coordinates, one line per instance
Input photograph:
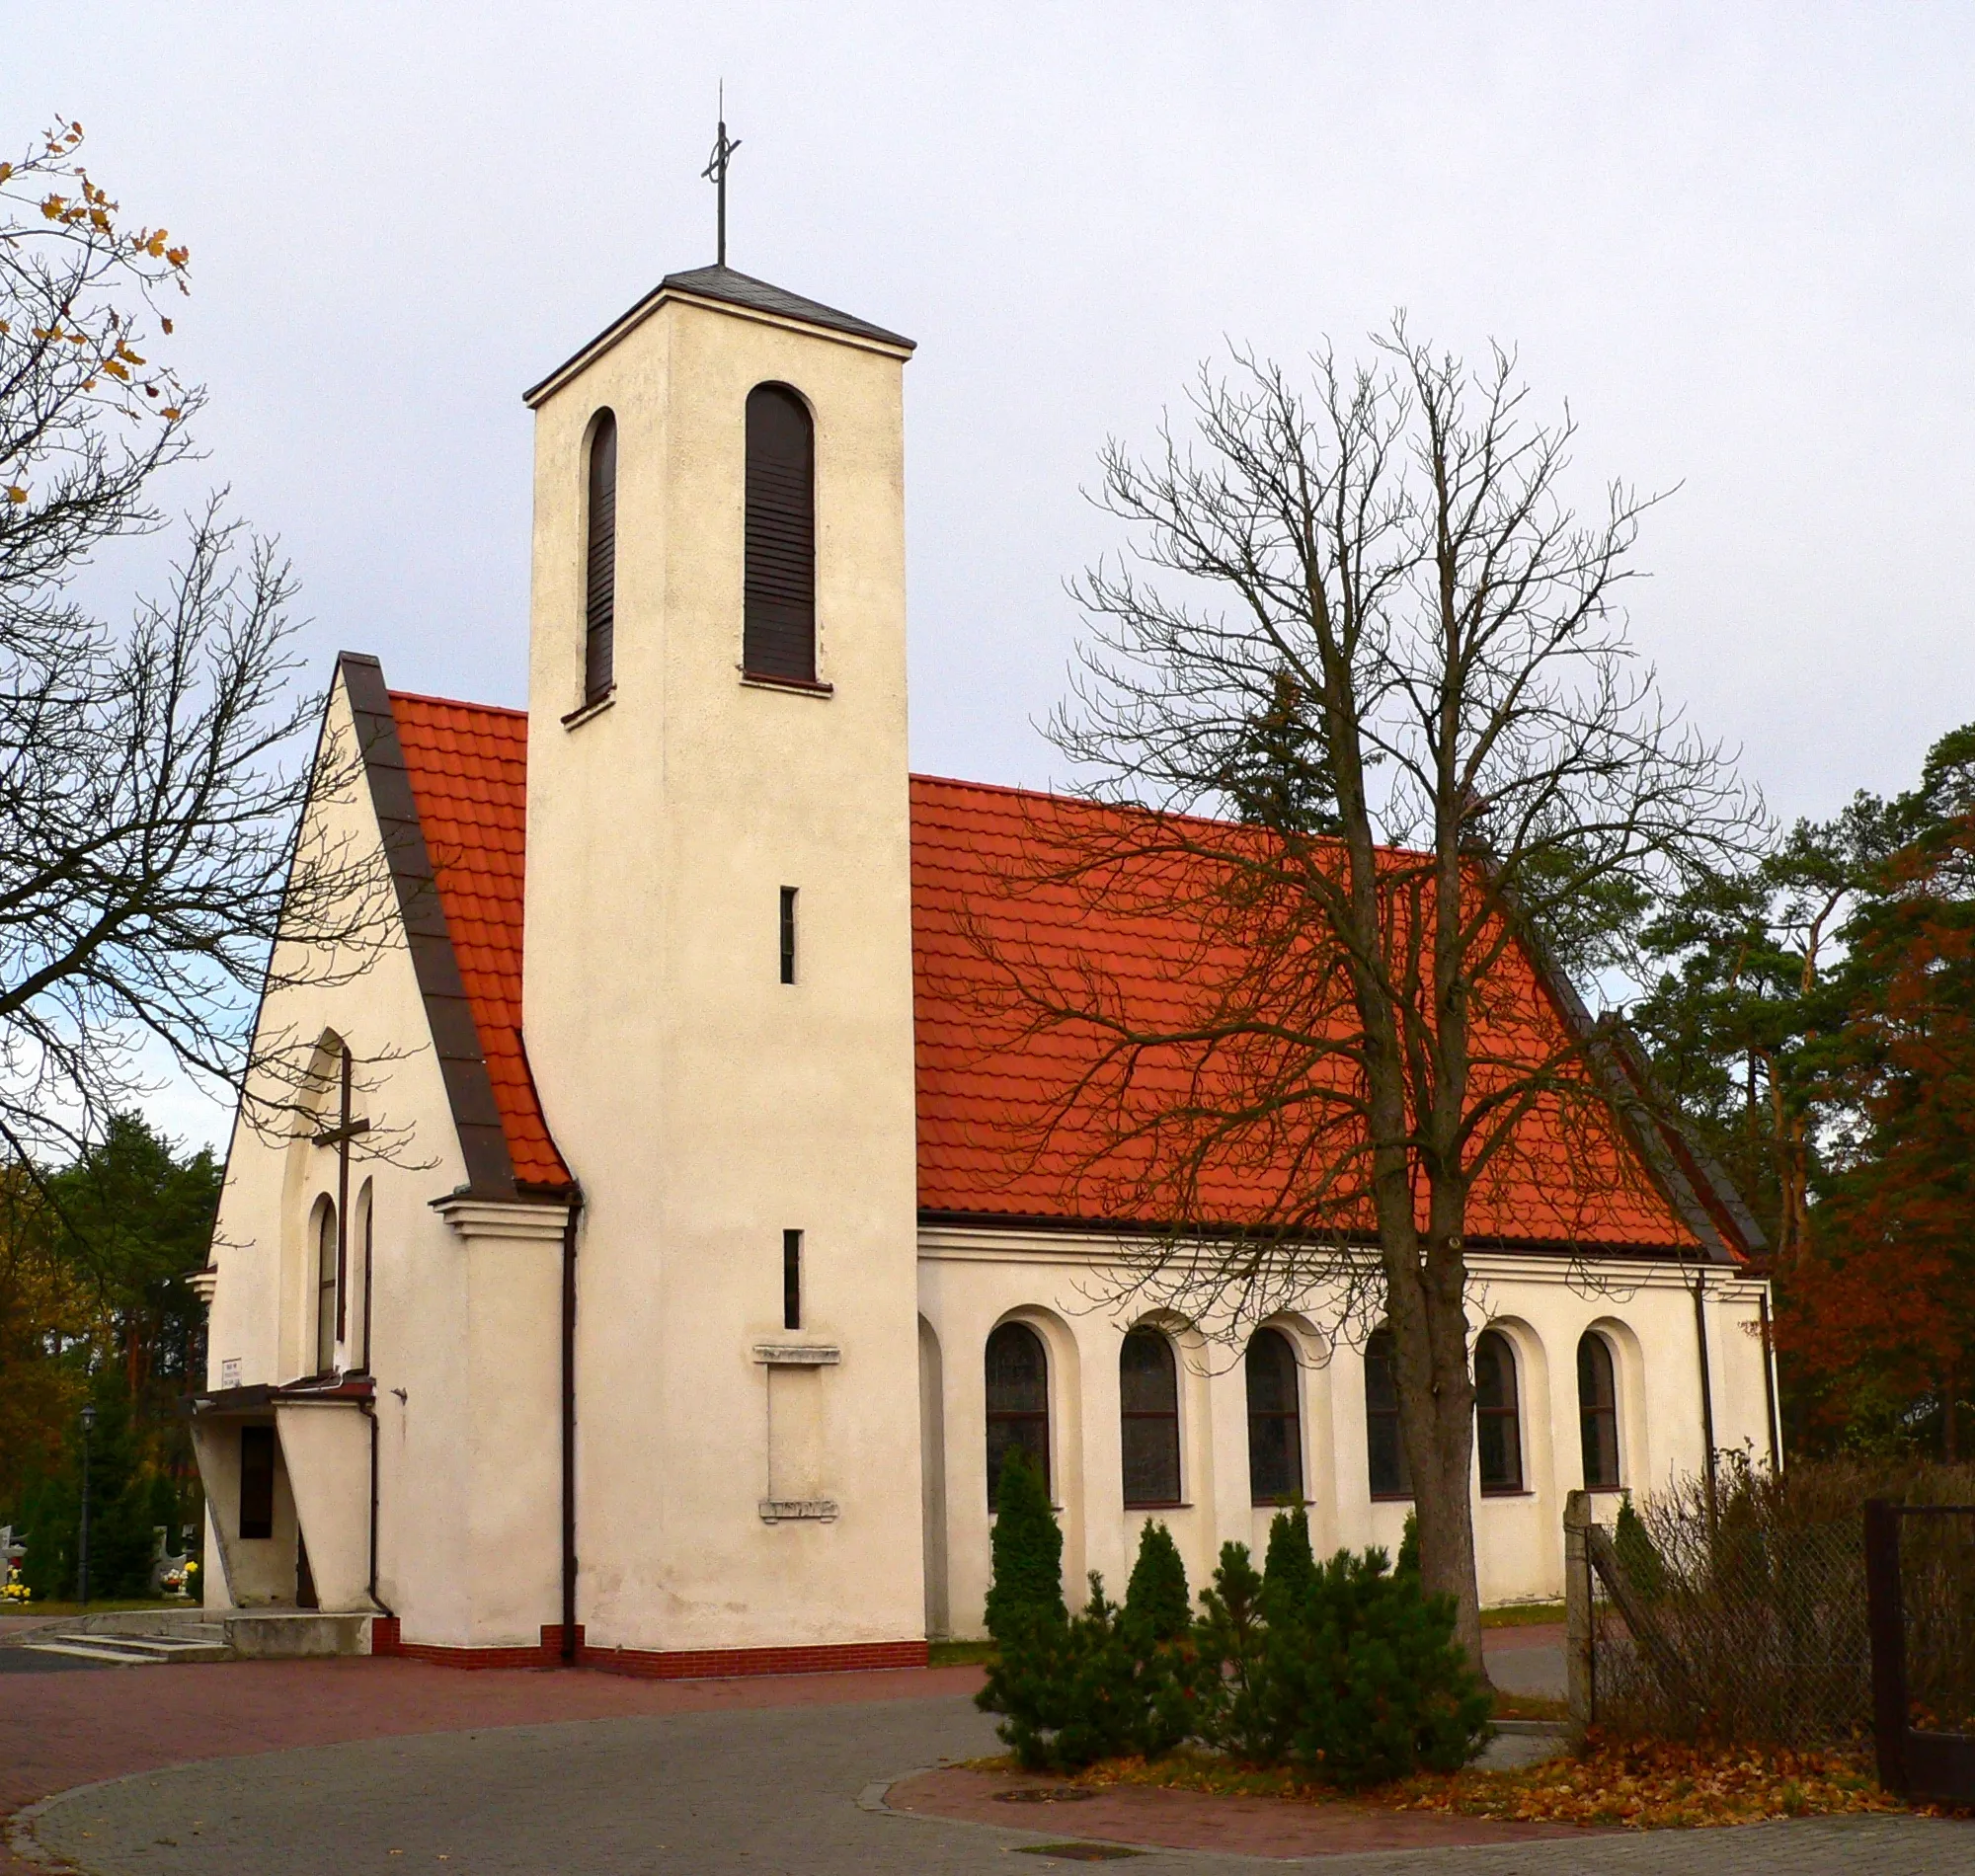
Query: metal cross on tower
(339, 1136)
(715, 171)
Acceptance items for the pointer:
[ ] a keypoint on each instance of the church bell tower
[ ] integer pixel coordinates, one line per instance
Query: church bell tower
(718, 1002)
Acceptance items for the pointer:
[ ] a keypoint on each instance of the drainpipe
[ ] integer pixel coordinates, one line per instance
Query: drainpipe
(1769, 1385)
(1707, 1386)
(370, 1413)
(569, 1431)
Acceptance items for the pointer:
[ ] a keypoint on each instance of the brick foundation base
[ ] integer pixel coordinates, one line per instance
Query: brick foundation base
(682, 1664)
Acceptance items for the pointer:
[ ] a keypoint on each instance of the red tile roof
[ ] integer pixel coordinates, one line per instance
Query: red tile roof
(987, 1081)
(469, 772)
(999, 1131)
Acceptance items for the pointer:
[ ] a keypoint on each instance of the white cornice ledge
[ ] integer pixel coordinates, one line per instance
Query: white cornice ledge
(203, 1282)
(798, 1354)
(494, 1218)
(789, 1511)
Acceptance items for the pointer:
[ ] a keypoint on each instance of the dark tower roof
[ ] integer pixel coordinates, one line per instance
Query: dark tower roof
(743, 289)
(729, 288)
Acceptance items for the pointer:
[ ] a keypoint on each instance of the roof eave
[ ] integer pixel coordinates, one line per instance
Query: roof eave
(665, 294)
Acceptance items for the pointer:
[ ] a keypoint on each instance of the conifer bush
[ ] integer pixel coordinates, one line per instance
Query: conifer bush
(1289, 1567)
(1365, 1683)
(1071, 1690)
(1348, 1671)
(1156, 1601)
(1027, 1551)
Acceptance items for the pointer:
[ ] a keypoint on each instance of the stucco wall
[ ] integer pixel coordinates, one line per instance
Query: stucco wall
(705, 1106)
(456, 1462)
(971, 1280)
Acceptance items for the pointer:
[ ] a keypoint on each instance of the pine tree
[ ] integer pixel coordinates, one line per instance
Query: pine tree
(1027, 1550)
(1157, 1604)
(1409, 1547)
(1288, 1569)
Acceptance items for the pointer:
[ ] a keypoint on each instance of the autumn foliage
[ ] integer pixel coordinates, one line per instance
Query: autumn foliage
(1880, 1304)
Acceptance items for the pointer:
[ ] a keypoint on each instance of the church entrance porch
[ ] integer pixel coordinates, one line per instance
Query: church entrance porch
(288, 1488)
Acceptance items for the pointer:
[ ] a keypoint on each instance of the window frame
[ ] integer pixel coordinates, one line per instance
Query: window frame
(1376, 1356)
(1291, 1415)
(787, 931)
(1595, 1413)
(792, 1279)
(1509, 1417)
(326, 1287)
(599, 684)
(1140, 1422)
(1036, 1418)
(760, 631)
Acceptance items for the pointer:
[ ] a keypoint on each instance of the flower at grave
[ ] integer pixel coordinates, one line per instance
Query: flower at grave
(14, 1590)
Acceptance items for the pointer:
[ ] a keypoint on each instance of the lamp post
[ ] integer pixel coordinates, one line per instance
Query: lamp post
(82, 1549)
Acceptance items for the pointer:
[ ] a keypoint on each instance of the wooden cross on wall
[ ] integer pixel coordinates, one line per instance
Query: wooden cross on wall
(340, 1136)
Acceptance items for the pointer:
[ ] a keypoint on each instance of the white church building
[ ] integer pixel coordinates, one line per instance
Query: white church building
(665, 1261)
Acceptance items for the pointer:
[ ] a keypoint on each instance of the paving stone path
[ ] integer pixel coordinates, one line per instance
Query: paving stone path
(762, 1789)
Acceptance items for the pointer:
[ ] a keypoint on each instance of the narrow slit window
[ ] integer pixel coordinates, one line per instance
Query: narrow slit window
(788, 935)
(792, 1280)
(256, 1481)
(325, 1287)
(779, 612)
(601, 564)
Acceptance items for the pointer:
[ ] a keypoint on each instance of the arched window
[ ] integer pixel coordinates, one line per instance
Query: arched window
(1384, 1450)
(325, 1286)
(1598, 1412)
(778, 616)
(1149, 1404)
(1017, 1401)
(1274, 1428)
(599, 605)
(1498, 1425)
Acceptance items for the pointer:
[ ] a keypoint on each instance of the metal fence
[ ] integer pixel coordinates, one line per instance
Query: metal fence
(1733, 1616)
(1920, 1582)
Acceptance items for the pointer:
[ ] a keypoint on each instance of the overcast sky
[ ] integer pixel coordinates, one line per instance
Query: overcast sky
(1738, 240)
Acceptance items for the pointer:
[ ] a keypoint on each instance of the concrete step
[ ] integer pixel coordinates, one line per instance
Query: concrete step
(136, 1651)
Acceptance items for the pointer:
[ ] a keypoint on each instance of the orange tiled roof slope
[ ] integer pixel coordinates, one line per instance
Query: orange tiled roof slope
(468, 765)
(990, 1079)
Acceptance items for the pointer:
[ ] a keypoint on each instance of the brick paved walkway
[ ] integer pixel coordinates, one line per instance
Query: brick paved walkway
(691, 1777)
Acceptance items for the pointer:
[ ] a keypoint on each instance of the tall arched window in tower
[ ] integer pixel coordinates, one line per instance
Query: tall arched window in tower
(1498, 1423)
(325, 1284)
(1148, 1408)
(1598, 1412)
(1384, 1450)
(778, 617)
(1274, 1428)
(1017, 1401)
(599, 605)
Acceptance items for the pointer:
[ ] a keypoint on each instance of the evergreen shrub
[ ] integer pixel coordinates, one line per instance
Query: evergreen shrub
(1157, 1602)
(1365, 1681)
(1347, 1671)
(1027, 1550)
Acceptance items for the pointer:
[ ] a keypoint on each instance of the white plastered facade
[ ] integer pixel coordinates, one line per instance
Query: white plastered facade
(1064, 1286)
(739, 1485)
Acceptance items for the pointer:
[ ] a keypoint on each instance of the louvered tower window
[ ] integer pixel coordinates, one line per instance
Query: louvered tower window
(600, 561)
(778, 622)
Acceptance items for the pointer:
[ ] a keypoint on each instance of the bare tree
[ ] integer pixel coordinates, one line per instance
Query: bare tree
(152, 779)
(1368, 678)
